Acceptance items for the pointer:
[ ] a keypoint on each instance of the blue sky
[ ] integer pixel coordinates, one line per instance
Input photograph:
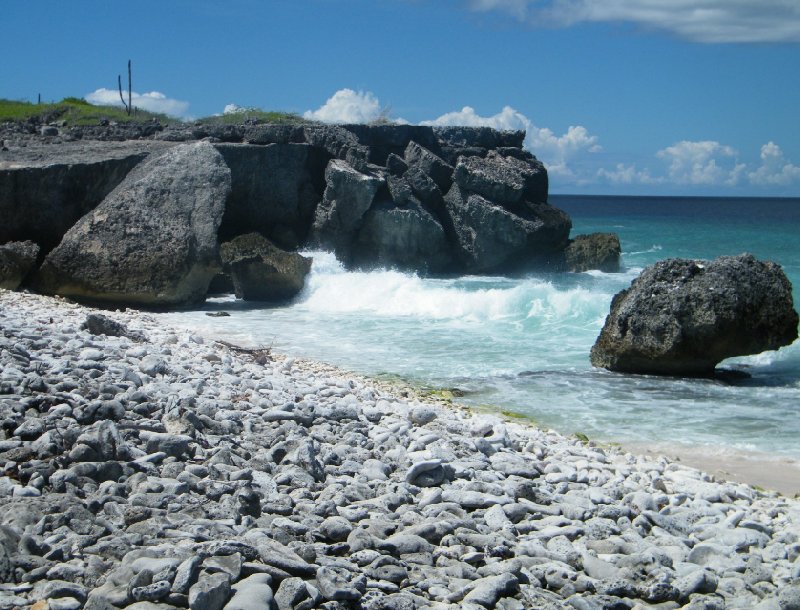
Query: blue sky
(618, 96)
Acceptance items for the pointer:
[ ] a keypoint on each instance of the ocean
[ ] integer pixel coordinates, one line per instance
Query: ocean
(521, 345)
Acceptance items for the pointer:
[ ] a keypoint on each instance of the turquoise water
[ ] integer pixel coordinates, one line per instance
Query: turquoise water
(523, 344)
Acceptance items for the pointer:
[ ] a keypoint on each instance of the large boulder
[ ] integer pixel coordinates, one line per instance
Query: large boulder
(600, 251)
(348, 195)
(491, 238)
(16, 261)
(262, 272)
(153, 241)
(406, 237)
(682, 317)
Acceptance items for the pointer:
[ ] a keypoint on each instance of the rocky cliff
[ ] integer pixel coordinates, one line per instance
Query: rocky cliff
(427, 199)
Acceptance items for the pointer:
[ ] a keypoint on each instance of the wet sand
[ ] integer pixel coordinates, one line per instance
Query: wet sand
(776, 473)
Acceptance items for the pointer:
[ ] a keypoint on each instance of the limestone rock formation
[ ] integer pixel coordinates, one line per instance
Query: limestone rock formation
(407, 236)
(373, 194)
(43, 192)
(262, 272)
(16, 261)
(492, 238)
(682, 317)
(507, 181)
(275, 190)
(600, 251)
(348, 196)
(153, 240)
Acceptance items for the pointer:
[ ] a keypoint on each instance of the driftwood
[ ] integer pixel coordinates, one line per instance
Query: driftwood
(260, 354)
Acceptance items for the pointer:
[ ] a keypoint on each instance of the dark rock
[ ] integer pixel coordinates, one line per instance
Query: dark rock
(348, 196)
(682, 317)
(339, 143)
(273, 134)
(98, 324)
(218, 132)
(600, 251)
(481, 137)
(402, 237)
(425, 189)
(492, 238)
(124, 252)
(439, 171)
(16, 261)
(503, 180)
(221, 284)
(384, 140)
(274, 190)
(262, 272)
(396, 165)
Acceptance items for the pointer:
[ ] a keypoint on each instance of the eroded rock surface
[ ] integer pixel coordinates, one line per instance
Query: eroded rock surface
(153, 240)
(17, 259)
(683, 317)
(261, 271)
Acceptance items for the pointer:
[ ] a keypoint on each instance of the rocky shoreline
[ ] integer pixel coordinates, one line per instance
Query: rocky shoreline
(150, 468)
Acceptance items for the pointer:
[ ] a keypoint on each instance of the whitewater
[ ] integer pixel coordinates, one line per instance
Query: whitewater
(521, 345)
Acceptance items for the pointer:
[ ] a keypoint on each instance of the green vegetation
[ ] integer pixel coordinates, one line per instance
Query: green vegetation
(74, 111)
(253, 115)
(513, 414)
(77, 111)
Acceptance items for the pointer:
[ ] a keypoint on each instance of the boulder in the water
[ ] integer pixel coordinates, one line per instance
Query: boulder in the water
(595, 251)
(682, 317)
(261, 271)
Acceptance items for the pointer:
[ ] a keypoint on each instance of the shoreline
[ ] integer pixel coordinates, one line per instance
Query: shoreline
(758, 469)
(159, 465)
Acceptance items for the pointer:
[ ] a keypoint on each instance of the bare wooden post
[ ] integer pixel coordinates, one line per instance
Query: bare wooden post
(119, 83)
(130, 104)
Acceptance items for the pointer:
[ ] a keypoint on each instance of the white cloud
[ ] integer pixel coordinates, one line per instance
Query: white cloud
(234, 109)
(154, 101)
(628, 174)
(554, 151)
(702, 163)
(775, 169)
(710, 21)
(347, 106)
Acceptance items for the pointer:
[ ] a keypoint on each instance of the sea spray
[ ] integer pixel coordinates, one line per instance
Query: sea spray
(523, 343)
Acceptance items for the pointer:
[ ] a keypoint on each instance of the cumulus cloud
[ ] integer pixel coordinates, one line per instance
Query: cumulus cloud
(628, 174)
(347, 106)
(555, 151)
(775, 169)
(154, 101)
(702, 163)
(709, 21)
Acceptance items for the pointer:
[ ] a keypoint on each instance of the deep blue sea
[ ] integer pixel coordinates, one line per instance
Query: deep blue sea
(523, 344)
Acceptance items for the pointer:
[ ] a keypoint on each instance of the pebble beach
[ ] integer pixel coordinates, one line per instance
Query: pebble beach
(148, 467)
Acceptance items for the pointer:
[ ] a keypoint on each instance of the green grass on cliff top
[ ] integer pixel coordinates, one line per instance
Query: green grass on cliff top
(73, 111)
(253, 115)
(76, 111)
